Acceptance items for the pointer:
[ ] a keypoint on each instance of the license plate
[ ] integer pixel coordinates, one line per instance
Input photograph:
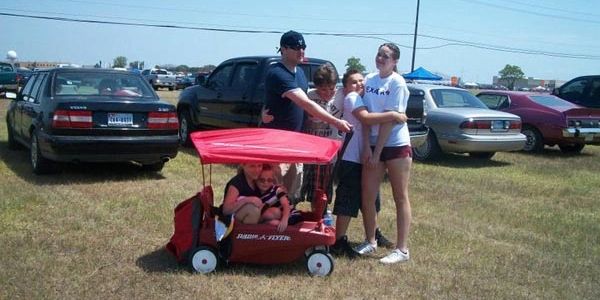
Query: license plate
(120, 119)
(500, 126)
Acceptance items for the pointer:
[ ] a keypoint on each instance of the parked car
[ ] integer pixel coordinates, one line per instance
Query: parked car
(233, 97)
(548, 120)
(458, 122)
(8, 78)
(184, 81)
(23, 75)
(159, 78)
(91, 115)
(584, 91)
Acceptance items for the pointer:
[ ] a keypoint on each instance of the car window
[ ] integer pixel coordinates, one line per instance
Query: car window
(101, 84)
(244, 75)
(595, 91)
(492, 101)
(551, 101)
(220, 78)
(28, 86)
(455, 98)
(34, 95)
(574, 89)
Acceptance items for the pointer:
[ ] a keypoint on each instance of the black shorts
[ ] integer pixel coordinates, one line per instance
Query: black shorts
(389, 153)
(348, 191)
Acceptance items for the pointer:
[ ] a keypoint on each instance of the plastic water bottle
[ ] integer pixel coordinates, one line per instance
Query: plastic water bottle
(328, 218)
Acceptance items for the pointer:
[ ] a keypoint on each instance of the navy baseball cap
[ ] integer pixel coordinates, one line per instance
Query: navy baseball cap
(292, 39)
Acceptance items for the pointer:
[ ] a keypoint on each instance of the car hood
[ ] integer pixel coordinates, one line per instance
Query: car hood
(470, 112)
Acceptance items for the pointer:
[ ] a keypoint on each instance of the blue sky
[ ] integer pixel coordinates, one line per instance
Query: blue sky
(563, 28)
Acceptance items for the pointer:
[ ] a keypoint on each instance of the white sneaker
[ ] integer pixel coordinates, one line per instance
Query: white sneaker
(395, 256)
(365, 248)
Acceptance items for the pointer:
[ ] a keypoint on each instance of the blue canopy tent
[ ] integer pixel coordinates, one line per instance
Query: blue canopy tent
(421, 74)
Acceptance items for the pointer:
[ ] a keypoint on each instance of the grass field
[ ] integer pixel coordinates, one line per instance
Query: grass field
(518, 226)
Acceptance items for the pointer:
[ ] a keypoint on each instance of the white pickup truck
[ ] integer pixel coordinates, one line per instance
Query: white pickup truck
(160, 78)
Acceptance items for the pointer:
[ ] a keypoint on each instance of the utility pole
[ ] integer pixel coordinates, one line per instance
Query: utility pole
(412, 66)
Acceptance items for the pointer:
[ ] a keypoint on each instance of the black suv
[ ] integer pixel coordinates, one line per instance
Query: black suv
(584, 91)
(233, 97)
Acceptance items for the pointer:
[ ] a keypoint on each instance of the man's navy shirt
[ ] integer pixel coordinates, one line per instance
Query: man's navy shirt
(286, 114)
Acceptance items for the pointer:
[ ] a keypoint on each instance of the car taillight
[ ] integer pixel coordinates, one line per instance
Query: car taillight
(515, 125)
(480, 124)
(162, 120)
(72, 119)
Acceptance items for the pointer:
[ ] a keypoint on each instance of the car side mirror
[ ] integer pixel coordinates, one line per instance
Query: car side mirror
(11, 95)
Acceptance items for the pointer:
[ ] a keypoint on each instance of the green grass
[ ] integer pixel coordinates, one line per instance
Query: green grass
(519, 226)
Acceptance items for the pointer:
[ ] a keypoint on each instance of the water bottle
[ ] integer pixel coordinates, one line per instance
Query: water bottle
(328, 218)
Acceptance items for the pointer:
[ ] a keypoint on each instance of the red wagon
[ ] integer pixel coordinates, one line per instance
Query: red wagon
(195, 240)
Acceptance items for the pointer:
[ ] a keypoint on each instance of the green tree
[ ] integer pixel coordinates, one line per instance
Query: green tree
(120, 62)
(137, 65)
(354, 63)
(182, 68)
(511, 74)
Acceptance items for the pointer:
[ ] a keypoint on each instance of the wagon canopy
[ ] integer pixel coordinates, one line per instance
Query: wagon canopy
(262, 145)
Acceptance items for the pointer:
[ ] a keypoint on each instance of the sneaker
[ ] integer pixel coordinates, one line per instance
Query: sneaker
(343, 248)
(365, 248)
(382, 241)
(395, 256)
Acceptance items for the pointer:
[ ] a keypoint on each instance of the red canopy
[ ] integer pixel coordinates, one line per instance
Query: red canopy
(262, 145)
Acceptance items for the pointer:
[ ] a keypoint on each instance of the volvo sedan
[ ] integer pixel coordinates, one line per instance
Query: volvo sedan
(458, 122)
(91, 115)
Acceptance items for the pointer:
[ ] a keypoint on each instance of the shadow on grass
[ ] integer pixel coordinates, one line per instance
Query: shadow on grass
(18, 162)
(554, 152)
(464, 161)
(161, 261)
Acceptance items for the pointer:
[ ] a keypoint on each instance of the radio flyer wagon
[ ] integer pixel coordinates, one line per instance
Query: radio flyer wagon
(196, 240)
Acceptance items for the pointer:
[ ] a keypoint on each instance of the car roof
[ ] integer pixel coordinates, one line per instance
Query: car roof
(81, 70)
(427, 87)
(276, 58)
(515, 93)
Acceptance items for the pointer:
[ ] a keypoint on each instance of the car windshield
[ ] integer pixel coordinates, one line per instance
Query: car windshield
(551, 101)
(448, 98)
(100, 84)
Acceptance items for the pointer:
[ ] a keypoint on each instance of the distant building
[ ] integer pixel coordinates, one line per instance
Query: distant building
(531, 83)
(38, 64)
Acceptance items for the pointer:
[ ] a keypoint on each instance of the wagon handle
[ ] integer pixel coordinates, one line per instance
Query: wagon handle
(329, 190)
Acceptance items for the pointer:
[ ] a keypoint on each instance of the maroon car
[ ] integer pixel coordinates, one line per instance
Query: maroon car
(548, 120)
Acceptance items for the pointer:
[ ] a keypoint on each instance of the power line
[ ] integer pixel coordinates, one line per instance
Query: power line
(525, 11)
(378, 36)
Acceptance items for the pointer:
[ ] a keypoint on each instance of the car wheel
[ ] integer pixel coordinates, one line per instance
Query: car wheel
(155, 167)
(482, 155)
(319, 263)
(204, 260)
(429, 150)
(12, 143)
(39, 163)
(535, 142)
(185, 128)
(571, 148)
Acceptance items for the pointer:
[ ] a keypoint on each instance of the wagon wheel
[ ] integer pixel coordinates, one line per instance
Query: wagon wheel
(319, 263)
(204, 260)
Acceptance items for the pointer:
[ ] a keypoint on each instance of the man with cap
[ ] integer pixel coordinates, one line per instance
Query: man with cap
(286, 100)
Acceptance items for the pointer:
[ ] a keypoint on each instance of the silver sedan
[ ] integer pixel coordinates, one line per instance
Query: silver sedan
(459, 122)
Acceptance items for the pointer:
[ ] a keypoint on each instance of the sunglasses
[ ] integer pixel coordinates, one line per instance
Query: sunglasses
(297, 47)
(263, 180)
